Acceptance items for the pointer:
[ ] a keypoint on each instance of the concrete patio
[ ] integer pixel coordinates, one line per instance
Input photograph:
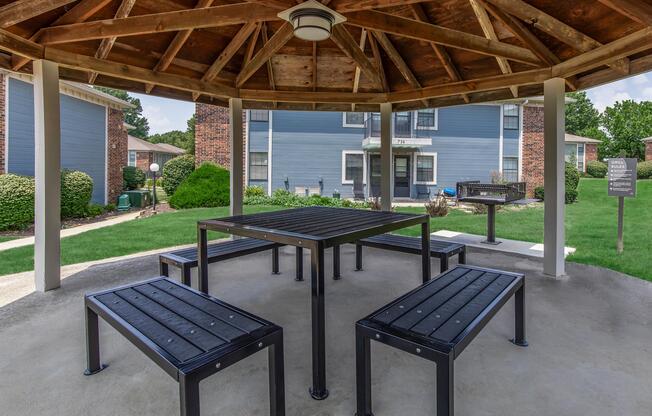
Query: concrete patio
(590, 346)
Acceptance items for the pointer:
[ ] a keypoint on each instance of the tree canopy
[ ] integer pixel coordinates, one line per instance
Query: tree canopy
(627, 123)
(183, 139)
(133, 116)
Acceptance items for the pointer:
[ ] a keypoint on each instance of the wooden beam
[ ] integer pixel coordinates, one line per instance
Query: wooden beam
(314, 71)
(270, 68)
(356, 76)
(217, 16)
(251, 46)
(175, 46)
(21, 10)
(555, 28)
(229, 51)
(81, 12)
(379, 63)
(490, 33)
(441, 52)
(343, 39)
(344, 6)
(277, 4)
(276, 42)
(636, 10)
(607, 75)
(107, 43)
(414, 29)
(314, 97)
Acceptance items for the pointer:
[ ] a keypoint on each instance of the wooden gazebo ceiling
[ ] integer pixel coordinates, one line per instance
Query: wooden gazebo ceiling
(411, 53)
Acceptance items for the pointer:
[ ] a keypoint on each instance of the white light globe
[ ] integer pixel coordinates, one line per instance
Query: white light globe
(154, 167)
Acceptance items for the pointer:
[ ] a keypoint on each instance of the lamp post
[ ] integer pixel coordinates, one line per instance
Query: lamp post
(154, 168)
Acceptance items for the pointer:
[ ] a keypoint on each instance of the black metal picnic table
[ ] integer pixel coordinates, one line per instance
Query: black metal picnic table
(315, 229)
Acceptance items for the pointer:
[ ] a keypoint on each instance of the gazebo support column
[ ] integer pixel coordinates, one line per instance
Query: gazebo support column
(47, 208)
(386, 156)
(237, 155)
(554, 184)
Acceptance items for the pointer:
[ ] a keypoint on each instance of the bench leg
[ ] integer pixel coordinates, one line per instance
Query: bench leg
(275, 260)
(299, 265)
(425, 251)
(163, 268)
(445, 387)
(189, 395)
(461, 258)
(358, 257)
(443, 263)
(185, 276)
(519, 299)
(93, 365)
(362, 374)
(336, 263)
(276, 377)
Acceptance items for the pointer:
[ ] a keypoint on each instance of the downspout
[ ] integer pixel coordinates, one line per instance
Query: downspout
(520, 140)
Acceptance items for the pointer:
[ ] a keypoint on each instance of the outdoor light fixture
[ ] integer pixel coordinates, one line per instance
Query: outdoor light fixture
(154, 167)
(311, 20)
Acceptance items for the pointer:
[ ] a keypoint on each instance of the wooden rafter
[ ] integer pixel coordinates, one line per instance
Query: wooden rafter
(379, 63)
(555, 28)
(414, 29)
(636, 10)
(217, 16)
(356, 76)
(270, 67)
(251, 46)
(347, 44)
(344, 6)
(175, 46)
(21, 10)
(490, 33)
(107, 43)
(441, 52)
(276, 42)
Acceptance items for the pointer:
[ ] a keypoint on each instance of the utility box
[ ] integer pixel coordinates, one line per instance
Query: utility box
(123, 203)
(139, 198)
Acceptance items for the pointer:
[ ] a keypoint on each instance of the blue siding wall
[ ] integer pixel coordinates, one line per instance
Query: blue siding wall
(83, 133)
(258, 133)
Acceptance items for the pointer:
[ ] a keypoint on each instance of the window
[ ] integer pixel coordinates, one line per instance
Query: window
(426, 169)
(510, 169)
(258, 115)
(510, 117)
(132, 158)
(427, 119)
(571, 153)
(258, 166)
(580, 157)
(353, 119)
(353, 166)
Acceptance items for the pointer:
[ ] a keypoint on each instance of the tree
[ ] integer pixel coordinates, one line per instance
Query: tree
(176, 138)
(133, 116)
(626, 123)
(191, 134)
(581, 115)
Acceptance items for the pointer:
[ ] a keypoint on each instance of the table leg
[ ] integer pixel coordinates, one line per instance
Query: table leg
(299, 265)
(445, 387)
(519, 299)
(318, 390)
(491, 225)
(202, 256)
(336, 263)
(425, 251)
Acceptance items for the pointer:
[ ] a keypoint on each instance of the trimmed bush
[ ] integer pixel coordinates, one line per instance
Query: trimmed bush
(207, 186)
(132, 178)
(570, 196)
(644, 170)
(596, 169)
(538, 192)
(175, 171)
(254, 191)
(16, 201)
(572, 177)
(76, 193)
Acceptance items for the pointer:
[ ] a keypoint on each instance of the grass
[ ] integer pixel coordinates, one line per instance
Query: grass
(590, 228)
(4, 238)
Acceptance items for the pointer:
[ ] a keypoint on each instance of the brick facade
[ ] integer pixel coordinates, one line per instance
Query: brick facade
(590, 152)
(648, 150)
(3, 139)
(533, 151)
(116, 153)
(212, 135)
(143, 160)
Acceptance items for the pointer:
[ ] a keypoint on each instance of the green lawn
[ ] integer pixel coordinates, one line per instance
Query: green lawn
(4, 238)
(590, 227)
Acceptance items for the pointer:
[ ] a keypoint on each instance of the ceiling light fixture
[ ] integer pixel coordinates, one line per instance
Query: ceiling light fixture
(312, 21)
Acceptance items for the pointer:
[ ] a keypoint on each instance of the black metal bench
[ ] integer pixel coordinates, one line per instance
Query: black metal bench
(437, 321)
(188, 334)
(443, 250)
(186, 259)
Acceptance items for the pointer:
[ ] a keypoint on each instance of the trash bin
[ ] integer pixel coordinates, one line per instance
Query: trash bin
(123, 203)
(139, 198)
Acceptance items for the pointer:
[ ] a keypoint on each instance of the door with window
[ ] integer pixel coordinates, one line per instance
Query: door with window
(374, 175)
(401, 176)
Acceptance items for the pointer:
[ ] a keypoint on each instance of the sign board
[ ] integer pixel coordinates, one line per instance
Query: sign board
(622, 176)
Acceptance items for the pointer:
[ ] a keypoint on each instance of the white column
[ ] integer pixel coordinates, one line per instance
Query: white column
(386, 156)
(237, 154)
(554, 131)
(47, 208)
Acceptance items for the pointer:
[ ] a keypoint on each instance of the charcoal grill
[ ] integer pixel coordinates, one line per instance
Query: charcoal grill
(490, 194)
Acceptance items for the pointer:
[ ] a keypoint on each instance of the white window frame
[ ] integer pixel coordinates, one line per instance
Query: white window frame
(577, 158)
(251, 118)
(416, 120)
(364, 166)
(502, 115)
(345, 124)
(434, 168)
(249, 160)
(129, 152)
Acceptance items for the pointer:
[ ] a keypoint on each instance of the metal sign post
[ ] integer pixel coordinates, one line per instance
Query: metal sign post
(622, 183)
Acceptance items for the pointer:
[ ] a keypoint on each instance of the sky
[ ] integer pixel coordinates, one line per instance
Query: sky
(164, 114)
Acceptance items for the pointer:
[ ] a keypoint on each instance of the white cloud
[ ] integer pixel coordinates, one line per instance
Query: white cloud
(158, 120)
(638, 88)
(165, 114)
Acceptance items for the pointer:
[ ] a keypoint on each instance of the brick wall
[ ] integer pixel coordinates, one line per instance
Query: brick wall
(212, 135)
(143, 160)
(648, 150)
(2, 124)
(533, 147)
(591, 152)
(117, 153)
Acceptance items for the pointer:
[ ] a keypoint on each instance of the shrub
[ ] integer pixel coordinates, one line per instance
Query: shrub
(109, 207)
(207, 186)
(175, 171)
(252, 191)
(644, 170)
(76, 193)
(93, 210)
(16, 201)
(375, 205)
(132, 178)
(596, 169)
(437, 207)
(572, 176)
(538, 192)
(570, 196)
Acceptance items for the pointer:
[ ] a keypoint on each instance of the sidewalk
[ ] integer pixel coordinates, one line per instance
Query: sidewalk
(67, 232)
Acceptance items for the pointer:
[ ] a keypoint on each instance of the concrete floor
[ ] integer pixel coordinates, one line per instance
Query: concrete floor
(590, 346)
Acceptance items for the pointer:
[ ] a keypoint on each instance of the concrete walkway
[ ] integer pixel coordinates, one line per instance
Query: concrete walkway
(67, 232)
(590, 347)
